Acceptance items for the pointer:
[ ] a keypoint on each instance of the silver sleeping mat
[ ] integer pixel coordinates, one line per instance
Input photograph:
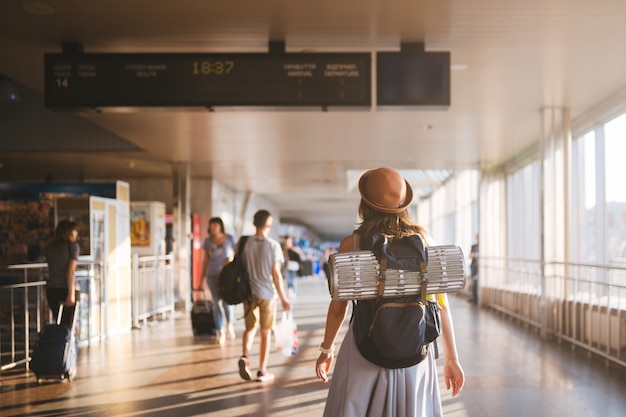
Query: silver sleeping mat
(354, 275)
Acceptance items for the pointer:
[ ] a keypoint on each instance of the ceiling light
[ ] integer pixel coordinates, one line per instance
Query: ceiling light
(8, 91)
(458, 67)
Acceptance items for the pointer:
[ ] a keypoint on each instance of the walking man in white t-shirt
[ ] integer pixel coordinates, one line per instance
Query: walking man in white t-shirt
(263, 257)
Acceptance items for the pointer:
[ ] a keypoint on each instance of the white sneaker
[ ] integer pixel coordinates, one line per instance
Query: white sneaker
(221, 337)
(230, 332)
(264, 376)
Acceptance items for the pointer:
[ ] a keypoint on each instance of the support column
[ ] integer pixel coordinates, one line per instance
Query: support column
(181, 172)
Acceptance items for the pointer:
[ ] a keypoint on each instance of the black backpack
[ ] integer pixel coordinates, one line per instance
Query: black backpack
(395, 332)
(233, 283)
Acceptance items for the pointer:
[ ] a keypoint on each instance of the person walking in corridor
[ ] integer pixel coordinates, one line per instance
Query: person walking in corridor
(263, 257)
(358, 386)
(218, 251)
(293, 265)
(62, 258)
(474, 255)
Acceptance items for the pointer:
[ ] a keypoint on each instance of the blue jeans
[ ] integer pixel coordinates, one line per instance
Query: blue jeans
(220, 308)
(292, 277)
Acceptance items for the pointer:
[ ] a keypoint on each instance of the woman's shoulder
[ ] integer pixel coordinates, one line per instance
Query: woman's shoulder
(61, 249)
(347, 244)
(74, 250)
(56, 244)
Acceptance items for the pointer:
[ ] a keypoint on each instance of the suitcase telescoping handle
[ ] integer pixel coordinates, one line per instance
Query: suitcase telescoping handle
(74, 314)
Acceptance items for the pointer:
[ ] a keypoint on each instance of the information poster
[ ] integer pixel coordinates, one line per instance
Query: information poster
(140, 224)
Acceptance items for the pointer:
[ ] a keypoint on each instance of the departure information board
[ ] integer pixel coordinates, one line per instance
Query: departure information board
(83, 80)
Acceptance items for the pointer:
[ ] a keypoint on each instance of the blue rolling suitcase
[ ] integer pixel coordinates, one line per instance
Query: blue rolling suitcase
(54, 355)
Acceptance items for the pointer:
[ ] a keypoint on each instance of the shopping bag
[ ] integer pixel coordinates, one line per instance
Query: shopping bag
(287, 335)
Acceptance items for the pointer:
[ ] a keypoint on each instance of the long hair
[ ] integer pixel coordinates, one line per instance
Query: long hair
(64, 231)
(391, 225)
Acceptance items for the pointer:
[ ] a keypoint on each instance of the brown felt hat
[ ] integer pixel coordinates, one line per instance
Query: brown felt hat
(384, 190)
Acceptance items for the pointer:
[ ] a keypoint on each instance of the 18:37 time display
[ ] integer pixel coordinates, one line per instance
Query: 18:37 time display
(213, 68)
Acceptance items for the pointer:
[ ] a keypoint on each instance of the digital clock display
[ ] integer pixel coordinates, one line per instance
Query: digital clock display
(82, 81)
(215, 67)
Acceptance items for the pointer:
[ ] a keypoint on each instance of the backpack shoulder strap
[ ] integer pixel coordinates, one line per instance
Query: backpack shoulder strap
(239, 255)
(382, 276)
(240, 245)
(356, 246)
(423, 270)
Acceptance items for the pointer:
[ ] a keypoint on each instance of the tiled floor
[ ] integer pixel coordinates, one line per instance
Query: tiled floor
(161, 370)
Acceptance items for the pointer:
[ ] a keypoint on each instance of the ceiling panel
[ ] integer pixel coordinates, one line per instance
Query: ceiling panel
(510, 61)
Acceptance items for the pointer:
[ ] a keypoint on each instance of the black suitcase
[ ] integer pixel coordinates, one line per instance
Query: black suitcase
(55, 351)
(202, 319)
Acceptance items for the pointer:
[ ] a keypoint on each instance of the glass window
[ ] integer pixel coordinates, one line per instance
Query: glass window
(615, 166)
(583, 245)
(523, 195)
(524, 225)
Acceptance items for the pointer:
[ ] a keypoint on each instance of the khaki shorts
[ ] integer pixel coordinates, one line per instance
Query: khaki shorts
(263, 313)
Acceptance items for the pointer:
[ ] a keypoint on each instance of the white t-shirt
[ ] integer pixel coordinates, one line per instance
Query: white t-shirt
(260, 254)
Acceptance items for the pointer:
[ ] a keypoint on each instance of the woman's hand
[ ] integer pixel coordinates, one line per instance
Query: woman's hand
(453, 376)
(70, 301)
(322, 366)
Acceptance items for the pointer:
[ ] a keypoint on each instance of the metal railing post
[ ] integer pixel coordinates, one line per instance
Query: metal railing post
(135, 291)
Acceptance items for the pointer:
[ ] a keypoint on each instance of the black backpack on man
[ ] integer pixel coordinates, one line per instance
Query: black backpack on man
(233, 283)
(395, 332)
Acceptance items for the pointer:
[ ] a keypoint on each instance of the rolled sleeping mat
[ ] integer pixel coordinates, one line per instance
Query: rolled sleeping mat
(354, 275)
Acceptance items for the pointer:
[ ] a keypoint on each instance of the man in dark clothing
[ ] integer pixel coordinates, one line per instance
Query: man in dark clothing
(474, 271)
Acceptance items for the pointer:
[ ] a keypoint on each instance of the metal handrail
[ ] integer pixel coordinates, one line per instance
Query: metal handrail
(11, 288)
(152, 287)
(93, 278)
(578, 302)
(153, 295)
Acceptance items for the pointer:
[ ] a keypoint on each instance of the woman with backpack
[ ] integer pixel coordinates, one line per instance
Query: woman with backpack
(360, 387)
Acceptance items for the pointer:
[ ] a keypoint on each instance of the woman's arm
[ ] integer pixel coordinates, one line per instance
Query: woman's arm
(205, 262)
(337, 311)
(452, 371)
(71, 283)
(336, 315)
(232, 247)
